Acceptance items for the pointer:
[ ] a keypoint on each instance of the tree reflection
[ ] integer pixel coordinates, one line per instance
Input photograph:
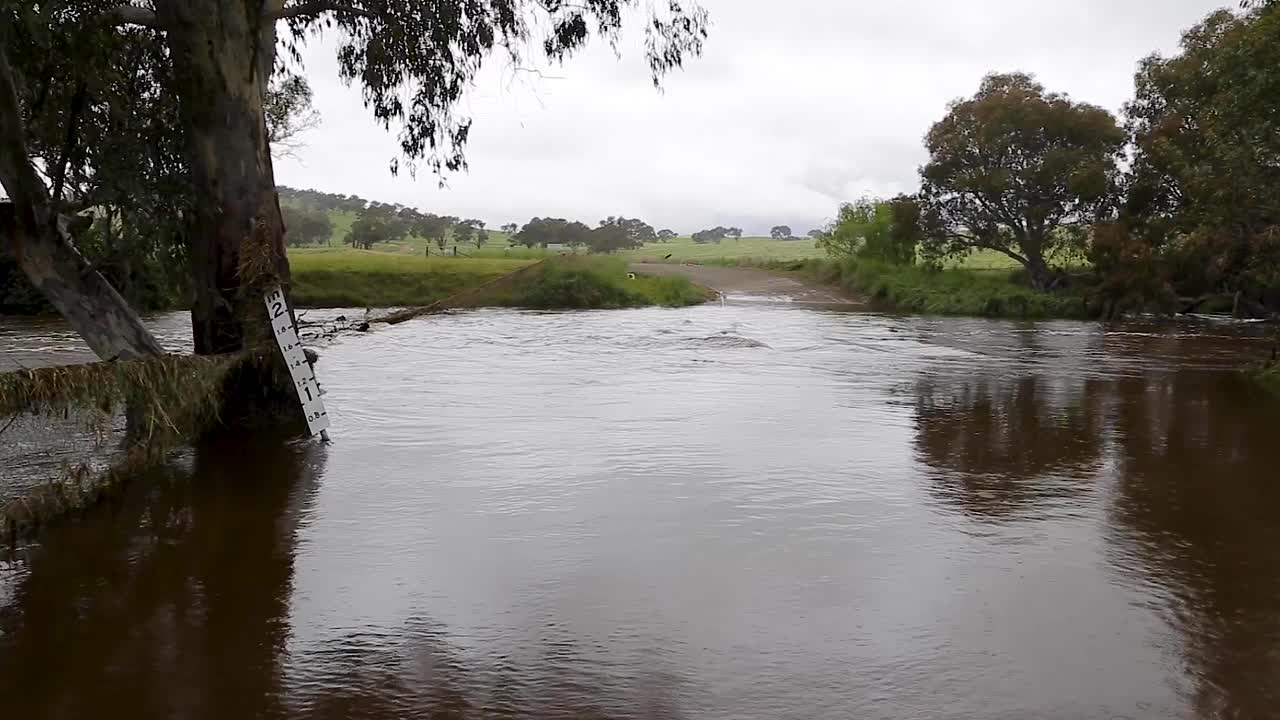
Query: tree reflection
(172, 604)
(1194, 522)
(175, 604)
(994, 442)
(1197, 517)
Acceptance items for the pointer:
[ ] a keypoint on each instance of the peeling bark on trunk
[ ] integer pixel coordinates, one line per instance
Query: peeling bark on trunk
(237, 239)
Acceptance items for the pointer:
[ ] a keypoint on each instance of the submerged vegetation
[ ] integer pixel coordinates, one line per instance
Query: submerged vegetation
(165, 401)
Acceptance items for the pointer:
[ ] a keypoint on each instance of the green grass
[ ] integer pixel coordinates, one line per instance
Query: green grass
(763, 250)
(951, 291)
(324, 277)
(593, 281)
(958, 292)
(414, 245)
(984, 260)
(993, 260)
(342, 221)
(683, 249)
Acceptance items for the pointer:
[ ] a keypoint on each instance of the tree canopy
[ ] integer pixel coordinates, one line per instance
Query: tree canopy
(1014, 169)
(882, 230)
(1206, 155)
(307, 226)
(632, 233)
(712, 235)
(540, 232)
(377, 225)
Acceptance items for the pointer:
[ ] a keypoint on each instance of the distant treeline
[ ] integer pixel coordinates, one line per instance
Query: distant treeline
(308, 217)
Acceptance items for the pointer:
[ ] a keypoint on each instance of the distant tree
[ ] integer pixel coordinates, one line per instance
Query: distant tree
(470, 231)
(434, 228)
(815, 233)
(305, 226)
(609, 238)
(448, 227)
(376, 226)
(665, 235)
(780, 232)
(462, 233)
(714, 235)
(511, 228)
(883, 230)
(637, 232)
(734, 232)
(540, 232)
(1020, 171)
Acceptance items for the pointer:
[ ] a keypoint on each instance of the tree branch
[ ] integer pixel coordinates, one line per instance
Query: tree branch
(312, 8)
(131, 15)
(68, 146)
(17, 175)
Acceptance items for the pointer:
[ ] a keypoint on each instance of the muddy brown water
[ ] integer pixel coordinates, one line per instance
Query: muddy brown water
(737, 511)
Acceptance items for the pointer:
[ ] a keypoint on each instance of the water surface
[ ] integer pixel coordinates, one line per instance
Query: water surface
(716, 512)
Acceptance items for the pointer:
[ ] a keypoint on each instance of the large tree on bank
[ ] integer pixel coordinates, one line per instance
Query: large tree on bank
(1202, 191)
(1018, 170)
(413, 60)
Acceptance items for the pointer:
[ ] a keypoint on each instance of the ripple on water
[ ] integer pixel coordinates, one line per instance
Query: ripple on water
(606, 515)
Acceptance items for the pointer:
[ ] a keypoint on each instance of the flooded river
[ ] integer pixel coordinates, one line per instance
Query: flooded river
(737, 511)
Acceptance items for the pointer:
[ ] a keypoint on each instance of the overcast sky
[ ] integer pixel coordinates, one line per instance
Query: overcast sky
(793, 108)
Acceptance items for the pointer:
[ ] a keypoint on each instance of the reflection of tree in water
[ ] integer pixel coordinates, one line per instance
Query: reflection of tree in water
(172, 604)
(1196, 513)
(1197, 510)
(994, 441)
(175, 604)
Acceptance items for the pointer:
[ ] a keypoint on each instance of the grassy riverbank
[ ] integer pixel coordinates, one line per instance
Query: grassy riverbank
(359, 278)
(952, 291)
(594, 282)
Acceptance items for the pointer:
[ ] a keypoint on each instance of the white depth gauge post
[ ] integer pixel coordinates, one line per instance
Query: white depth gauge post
(304, 378)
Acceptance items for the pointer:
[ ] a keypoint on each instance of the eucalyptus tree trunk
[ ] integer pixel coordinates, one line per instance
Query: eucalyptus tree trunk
(222, 53)
(33, 233)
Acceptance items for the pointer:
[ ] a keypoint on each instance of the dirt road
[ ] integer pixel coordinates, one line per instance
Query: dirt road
(741, 283)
